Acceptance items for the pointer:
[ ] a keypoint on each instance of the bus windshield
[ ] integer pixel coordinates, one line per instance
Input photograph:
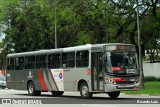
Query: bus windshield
(123, 59)
(122, 62)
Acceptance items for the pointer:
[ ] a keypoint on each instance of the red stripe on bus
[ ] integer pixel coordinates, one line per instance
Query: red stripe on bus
(54, 81)
(40, 78)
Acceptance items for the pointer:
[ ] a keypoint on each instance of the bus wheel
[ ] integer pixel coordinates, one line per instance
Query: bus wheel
(113, 95)
(57, 93)
(31, 89)
(84, 91)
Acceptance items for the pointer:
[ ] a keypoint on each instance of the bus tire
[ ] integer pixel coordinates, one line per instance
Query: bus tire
(84, 91)
(57, 93)
(114, 95)
(31, 90)
(38, 93)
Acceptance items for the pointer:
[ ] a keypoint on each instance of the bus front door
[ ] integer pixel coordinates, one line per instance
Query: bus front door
(97, 72)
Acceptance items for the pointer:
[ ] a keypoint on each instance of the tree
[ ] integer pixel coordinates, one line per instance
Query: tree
(150, 30)
(31, 23)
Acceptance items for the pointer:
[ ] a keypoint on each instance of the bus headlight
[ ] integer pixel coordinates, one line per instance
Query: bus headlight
(137, 80)
(110, 81)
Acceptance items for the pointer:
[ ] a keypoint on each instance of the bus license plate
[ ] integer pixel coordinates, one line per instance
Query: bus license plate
(130, 71)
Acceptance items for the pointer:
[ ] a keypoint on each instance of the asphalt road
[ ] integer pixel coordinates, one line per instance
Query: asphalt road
(73, 98)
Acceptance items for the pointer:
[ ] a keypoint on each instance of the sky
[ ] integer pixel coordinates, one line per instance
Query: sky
(2, 35)
(2, 28)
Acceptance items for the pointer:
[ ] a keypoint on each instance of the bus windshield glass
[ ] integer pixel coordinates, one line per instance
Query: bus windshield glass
(123, 59)
(122, 62)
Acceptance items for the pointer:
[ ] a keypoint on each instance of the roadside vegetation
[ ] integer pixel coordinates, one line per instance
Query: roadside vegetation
(29, 25)
(151, 87)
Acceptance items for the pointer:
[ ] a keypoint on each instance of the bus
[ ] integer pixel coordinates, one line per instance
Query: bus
(89, 69)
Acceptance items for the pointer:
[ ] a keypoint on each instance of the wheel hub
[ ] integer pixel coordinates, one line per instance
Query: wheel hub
(30, 88)
(84, 90)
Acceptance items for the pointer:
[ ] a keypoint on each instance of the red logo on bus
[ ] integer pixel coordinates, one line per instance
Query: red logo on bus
(60, 75)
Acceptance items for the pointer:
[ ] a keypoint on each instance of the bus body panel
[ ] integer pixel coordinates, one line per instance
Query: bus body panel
(73, 76)
(10, 80)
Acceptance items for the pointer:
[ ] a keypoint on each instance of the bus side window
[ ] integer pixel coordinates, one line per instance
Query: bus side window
(64, 60)
(19, 63)
(82, 59)
(71, 60)
(68, 59)
(30, 62)
(44, 61)
(41, 61)
(54, 61)
(10, 63)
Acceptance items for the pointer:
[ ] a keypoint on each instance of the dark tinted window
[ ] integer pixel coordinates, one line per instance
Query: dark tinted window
(54, 61)
(123, 59)
(19, 63)
(116, 59)
(30, 62)
(82, 58)
(10, 63)
(68, 59)
(41, 61)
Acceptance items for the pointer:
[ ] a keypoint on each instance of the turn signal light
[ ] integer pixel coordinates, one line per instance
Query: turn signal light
(107, 79)
(115, 68)
(88, 71)
(117, 79)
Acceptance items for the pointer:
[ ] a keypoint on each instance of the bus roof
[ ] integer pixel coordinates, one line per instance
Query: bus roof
(59, 50)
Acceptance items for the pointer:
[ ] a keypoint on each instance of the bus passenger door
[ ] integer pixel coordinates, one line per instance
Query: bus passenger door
(97, 72)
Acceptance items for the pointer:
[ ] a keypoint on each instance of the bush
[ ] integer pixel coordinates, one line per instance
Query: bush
(151, 78)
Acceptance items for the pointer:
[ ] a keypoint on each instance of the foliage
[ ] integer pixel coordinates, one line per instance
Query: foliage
(150, 78)
(150, 33)
(30, 24)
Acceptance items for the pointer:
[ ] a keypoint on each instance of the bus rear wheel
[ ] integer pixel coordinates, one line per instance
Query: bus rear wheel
(31, 89)
(3, 87)
(84, 91)
(57, 93)
(114, 95)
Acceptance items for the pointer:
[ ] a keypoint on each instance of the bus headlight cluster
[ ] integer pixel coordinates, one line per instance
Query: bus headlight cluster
(110, 81)
(137, 80)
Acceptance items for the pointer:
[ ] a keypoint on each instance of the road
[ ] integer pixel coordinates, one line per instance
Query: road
(98, 100)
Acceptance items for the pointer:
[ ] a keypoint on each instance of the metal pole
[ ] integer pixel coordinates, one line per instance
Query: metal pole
(139, 45)
(55, 26)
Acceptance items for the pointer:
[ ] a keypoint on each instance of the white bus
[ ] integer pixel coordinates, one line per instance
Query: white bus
(90, 69)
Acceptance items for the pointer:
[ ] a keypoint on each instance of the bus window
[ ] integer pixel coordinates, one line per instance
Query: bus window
(68, 59)
(54, 61)
(64, 60)
(30, 62)
(41, 61)
(19, 63)
(82, 58)
(10, 63)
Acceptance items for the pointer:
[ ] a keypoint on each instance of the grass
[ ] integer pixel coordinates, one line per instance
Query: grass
(150, 87)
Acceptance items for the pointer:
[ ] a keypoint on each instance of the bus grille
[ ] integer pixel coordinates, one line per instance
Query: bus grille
(125, 83)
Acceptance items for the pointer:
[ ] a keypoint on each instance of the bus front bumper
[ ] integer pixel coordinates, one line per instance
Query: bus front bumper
(112, 88)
